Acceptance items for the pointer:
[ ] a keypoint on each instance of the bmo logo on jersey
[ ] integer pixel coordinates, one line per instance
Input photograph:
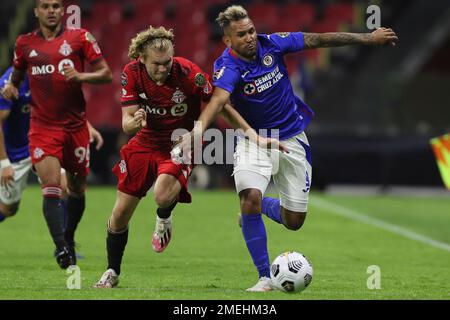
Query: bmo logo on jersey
(177, 110)
(50, 69)
(40, 70)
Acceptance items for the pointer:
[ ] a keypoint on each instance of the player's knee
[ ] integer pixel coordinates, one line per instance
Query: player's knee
(50, 181)
(250, 200)
(75, 188)
(163, 199)
(294, 220)
(75, 192)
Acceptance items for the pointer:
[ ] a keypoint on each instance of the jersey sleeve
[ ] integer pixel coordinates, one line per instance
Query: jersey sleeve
(225, 78)
(288, 41)
(202, 83)
(91, 49)
(19, 61)
(129, 93)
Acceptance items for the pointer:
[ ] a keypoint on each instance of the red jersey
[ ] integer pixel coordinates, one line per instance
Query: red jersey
(55, 101)
(175, 105)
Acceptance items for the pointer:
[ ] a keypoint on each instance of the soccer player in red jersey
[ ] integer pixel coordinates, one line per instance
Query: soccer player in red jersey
(160, 93)
(53, 57)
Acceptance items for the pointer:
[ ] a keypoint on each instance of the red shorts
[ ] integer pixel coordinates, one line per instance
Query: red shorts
(70, 147)
(139, 167)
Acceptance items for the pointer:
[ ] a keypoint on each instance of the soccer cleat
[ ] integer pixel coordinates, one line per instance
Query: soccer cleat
(163, 234)
(65, 259)
(109, 279)
(73, 251)
(264, 284)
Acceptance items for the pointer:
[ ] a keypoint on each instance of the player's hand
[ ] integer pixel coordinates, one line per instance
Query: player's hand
(272, 143)
(71, 74)
(95, 136)
(140, 118)
(384, 36)
(10, 92)
(7, 177)
(182, 149)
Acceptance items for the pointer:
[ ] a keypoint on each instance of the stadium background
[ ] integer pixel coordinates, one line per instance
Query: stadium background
(376, 108)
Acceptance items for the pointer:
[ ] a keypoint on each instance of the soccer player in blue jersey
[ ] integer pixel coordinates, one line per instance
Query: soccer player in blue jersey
(15, 162)
(252, 75)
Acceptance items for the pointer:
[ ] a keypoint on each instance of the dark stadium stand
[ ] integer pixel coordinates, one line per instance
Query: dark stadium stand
(356, 92)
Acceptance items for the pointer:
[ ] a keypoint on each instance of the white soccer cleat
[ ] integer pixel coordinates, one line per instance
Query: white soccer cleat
(109, 279)
(264, 284)
(162, 235)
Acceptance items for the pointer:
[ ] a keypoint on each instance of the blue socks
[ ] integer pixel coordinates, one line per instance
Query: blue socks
(255, 237)
(271, 208)
(2, 217)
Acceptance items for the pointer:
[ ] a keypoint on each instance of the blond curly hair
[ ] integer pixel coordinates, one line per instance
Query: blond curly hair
(157, 38)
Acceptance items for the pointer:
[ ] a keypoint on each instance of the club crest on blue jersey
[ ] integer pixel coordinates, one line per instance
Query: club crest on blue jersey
(268, 60)
(283, 34)
(249, 89)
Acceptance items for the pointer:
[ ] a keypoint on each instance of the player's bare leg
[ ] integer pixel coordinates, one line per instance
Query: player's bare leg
(8, 210)
(117, 230)
(49, 172)
(255, 236)
(166, 191)
(75, 205)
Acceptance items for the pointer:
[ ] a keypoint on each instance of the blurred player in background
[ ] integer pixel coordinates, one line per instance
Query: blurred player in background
(251, 72)
(160, 93)
(53, 57)
(15, 161)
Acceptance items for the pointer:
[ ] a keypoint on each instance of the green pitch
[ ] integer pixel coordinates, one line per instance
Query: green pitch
(407, 238)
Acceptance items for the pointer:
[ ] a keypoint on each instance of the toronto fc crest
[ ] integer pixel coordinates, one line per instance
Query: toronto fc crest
(178, 96)
(65, 49)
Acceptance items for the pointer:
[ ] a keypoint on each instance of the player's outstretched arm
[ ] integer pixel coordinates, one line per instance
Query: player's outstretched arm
(238, 122)
(100, 74)
(381, 36)
(218, 100)
(233, 118)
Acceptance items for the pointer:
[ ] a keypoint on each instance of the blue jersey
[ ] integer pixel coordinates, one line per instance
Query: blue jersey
(16, 126)
(261, 90)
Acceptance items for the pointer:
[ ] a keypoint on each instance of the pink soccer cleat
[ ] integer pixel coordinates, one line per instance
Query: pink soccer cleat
(162, 235)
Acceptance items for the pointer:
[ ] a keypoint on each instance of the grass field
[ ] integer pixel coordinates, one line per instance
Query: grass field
(408, 238)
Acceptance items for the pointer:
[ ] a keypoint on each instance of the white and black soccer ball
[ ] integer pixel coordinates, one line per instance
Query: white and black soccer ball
(291, 272)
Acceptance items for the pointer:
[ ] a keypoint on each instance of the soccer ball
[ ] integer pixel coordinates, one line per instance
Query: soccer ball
(291, 272)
